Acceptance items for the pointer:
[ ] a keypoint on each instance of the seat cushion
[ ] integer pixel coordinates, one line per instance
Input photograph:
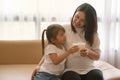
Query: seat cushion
(16, 72)
(109, 71)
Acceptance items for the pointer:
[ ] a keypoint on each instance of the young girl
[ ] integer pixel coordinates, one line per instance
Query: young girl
(55, 54)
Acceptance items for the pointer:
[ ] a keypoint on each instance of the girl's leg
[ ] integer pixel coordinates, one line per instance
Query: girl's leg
(94, 75)
(46, 76)
(54, 77)
(70, 75)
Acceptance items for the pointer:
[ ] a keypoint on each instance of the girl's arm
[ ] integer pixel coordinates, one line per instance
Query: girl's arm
(57, 59)
(36, 70)
(41, 61)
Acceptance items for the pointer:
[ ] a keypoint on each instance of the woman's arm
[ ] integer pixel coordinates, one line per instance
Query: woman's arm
(93, 55)
(94, 52)
(90, 53)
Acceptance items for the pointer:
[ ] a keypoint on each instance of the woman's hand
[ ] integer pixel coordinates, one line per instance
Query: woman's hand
(84, 52)
(35, 71)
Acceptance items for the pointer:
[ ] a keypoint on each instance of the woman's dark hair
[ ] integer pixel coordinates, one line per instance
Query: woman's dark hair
(51, 33)
(91, 21)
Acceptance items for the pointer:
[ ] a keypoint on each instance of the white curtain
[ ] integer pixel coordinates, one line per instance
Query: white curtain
(17, 19)
(112, 32)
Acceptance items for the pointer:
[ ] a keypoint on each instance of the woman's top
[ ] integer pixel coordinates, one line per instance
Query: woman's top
(75, 62)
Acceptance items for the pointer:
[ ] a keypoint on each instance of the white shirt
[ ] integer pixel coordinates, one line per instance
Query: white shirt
(48, 65)
(75, 62)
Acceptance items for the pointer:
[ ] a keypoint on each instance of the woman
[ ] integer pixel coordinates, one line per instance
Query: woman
(83, 29)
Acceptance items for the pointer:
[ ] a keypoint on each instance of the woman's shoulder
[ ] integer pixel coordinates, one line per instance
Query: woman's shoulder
(96, 35)
(67, 27)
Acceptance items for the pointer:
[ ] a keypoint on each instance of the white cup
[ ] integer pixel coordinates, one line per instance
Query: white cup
(81, 45)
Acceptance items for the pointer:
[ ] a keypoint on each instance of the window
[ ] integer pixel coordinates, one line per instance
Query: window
(26, 19)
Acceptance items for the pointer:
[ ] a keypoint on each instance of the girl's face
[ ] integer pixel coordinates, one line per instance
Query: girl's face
(78, 19)
(61, 38)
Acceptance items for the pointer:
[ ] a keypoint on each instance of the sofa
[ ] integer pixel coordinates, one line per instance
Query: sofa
(19, 58)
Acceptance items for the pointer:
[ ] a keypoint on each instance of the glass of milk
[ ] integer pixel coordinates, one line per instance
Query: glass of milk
(81, 45)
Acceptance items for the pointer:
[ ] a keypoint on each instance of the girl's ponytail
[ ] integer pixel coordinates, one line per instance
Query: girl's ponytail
(43, 43)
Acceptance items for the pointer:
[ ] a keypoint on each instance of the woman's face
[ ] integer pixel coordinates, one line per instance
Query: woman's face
(78, 19)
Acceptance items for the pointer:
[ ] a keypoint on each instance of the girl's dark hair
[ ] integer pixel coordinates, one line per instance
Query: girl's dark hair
(91, 21)
(51, 33)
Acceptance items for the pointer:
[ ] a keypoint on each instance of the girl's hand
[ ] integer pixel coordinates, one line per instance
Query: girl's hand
(35, 71)
(73, 49)
(84, 52)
